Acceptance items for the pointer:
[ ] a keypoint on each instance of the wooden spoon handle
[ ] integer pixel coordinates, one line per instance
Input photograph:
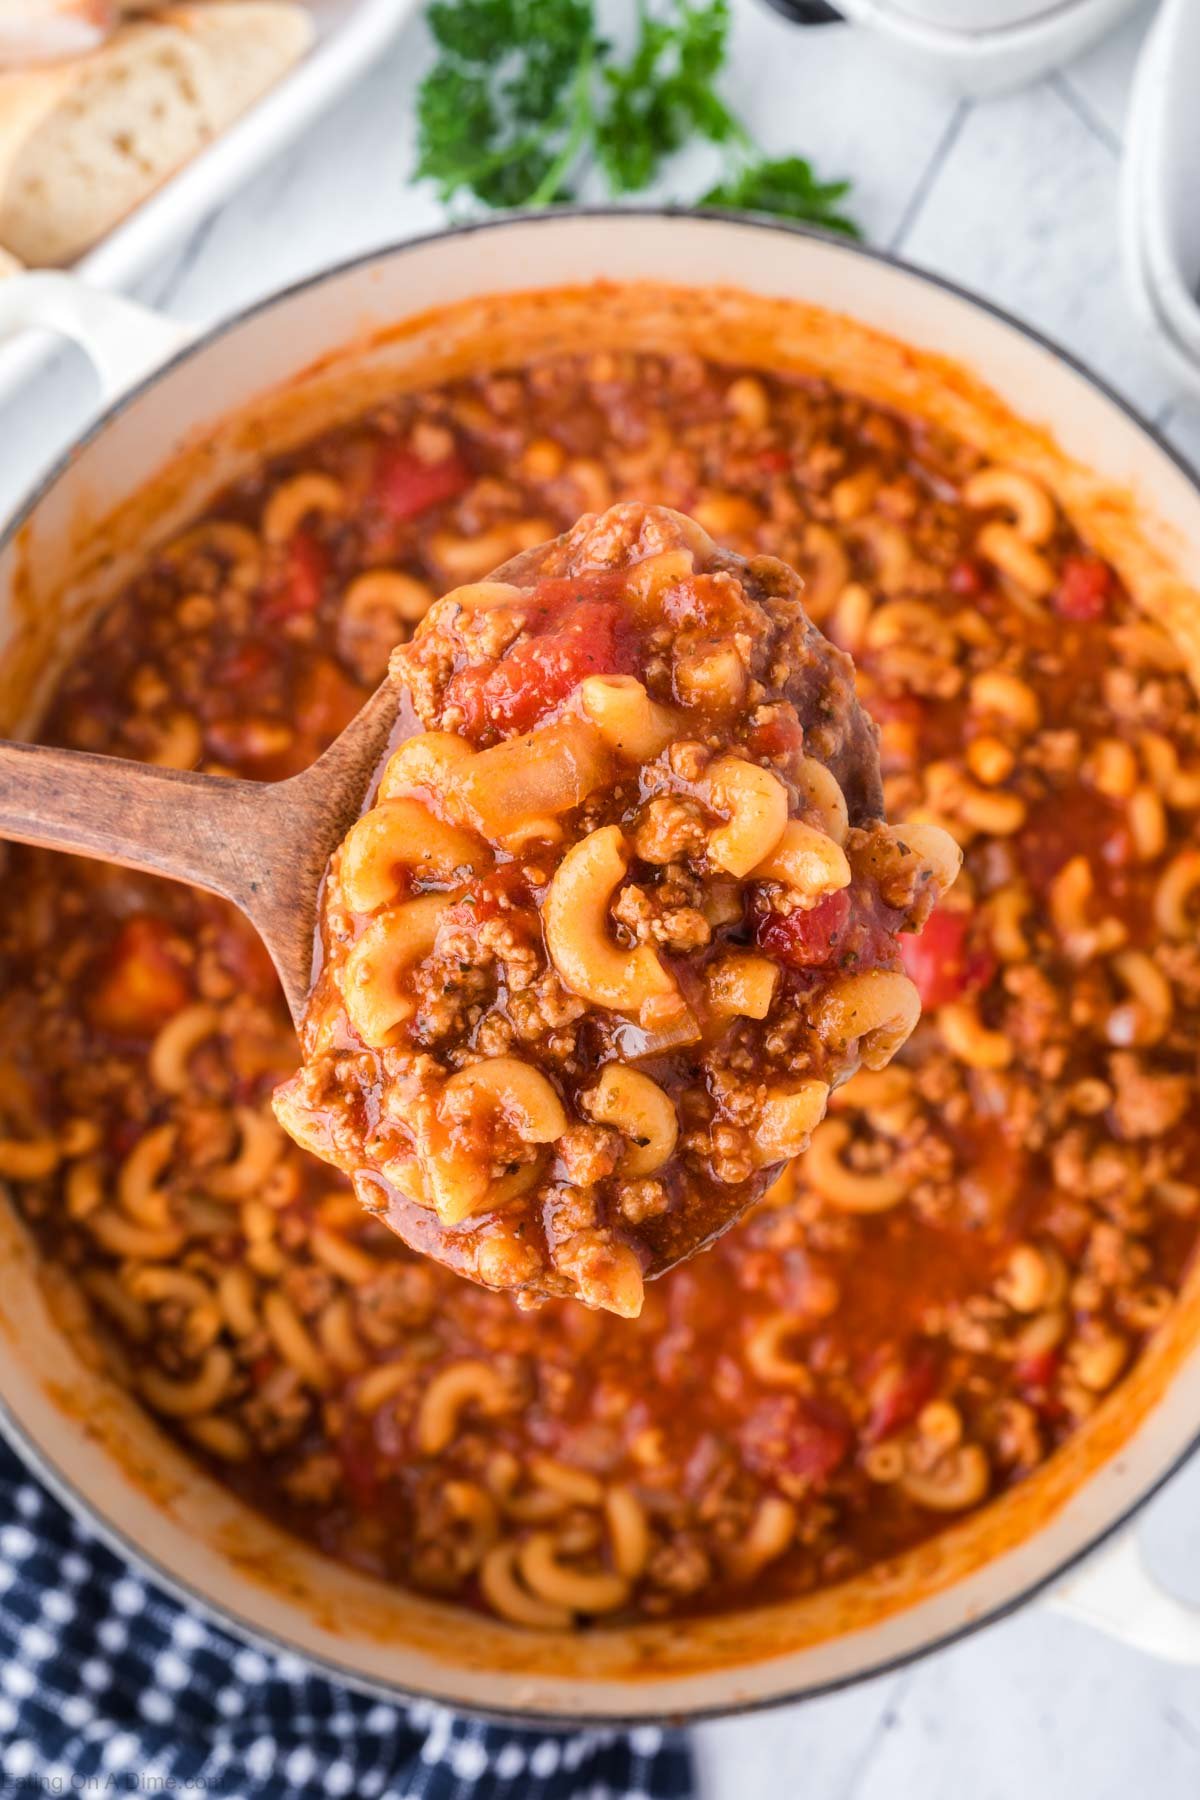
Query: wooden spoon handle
(196, 828)
(263, 845)
(258, 844)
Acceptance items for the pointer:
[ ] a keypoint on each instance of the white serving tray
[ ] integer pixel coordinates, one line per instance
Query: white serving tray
(350, 34)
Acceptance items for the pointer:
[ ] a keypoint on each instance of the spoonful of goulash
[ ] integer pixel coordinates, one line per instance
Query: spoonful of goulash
(622, 912)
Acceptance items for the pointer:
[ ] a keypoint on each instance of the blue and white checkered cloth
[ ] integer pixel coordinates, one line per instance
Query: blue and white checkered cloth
(107, 1686)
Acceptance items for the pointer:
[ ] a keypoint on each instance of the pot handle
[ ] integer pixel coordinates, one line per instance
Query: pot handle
(122, 340)
(1114, 1592)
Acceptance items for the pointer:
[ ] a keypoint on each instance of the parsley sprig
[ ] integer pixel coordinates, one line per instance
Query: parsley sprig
(526, 96)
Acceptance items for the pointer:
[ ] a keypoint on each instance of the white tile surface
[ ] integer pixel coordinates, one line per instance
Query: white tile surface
(1015, 197)
(1099, 79)
(1023, 210)
(1182, 424)
(1036, 1708)
(843, 101)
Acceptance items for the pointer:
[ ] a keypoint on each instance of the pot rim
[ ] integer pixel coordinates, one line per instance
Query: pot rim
(738, 219)
(31, 1453)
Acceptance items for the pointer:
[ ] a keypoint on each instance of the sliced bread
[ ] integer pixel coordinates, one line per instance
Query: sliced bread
(82, 143)
(247, 44)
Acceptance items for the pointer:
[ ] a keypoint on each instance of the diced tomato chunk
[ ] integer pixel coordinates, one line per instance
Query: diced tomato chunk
(360, 1462)
(804, 1437)
(1036, 1372)
(850, 928)
(774, 462)
(500, 890)
(897, 1392)
(246, 663)
(122, 1135)
(537, 675)
(780, 735)
(142, 983)
(967, 579)
(302, 580)
(405, 486)
(808, 938)
(1074, 821)
(940, 961)
(1083, 592)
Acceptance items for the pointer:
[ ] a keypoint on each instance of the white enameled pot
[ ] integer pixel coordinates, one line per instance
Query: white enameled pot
(730, 287)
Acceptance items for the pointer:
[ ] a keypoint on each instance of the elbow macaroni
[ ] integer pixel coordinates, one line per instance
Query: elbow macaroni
(879, 1008)
(743, 983)
(529, 779)
(846, 1188)
(578, 936)
(633, 726)
(787, 1119)
(640, 1110)
(755, 806)
(376, 1000)
(1026, 500)
(809, 862)
(398, 839)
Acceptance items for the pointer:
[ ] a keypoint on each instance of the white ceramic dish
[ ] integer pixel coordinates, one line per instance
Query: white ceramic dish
(975, 15)
(1160, 217)
(350, 34)
(1136, 197)
(464, 299)
(985, 46)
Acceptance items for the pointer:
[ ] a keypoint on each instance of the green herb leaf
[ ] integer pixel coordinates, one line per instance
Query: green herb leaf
(554, 36)
(502, 112)
(456, 122)
(787, 187)
(471, 29)
(663, 95)
(525, 94)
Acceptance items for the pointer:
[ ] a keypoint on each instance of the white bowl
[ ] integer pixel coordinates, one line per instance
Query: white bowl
(1163, 208)
(975, 15)
(987, 47)
(1160, 223)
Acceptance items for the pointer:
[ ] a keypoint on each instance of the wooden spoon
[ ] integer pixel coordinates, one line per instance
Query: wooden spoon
(263, 845)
